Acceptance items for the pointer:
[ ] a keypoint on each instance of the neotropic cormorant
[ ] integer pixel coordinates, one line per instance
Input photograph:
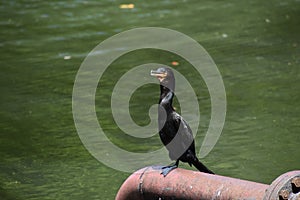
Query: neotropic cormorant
(174, 131)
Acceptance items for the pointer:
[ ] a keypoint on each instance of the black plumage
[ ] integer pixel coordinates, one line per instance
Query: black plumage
(174, 131)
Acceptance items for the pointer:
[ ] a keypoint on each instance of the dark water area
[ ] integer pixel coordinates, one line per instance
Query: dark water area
(255, 44)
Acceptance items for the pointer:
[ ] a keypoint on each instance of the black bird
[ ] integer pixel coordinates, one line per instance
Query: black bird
(174, 131)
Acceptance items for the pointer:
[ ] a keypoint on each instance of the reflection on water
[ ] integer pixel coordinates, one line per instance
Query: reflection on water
(255, 45)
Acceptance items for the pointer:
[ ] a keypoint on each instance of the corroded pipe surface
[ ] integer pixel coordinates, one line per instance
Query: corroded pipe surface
(148, 183)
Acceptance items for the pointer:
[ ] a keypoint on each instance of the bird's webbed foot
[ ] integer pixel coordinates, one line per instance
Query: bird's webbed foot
(167, 169)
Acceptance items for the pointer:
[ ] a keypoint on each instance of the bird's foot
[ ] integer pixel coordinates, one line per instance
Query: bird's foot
(167, 169)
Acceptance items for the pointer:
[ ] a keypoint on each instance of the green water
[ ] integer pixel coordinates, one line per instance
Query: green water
(255, 44)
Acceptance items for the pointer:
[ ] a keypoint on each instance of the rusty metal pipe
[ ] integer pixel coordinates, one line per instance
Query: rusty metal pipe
(148, 183)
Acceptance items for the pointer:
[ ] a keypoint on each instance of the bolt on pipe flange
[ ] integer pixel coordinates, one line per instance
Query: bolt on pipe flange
(296, 184)
(285, 187)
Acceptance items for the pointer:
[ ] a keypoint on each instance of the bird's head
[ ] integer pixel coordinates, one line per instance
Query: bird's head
(165, 76)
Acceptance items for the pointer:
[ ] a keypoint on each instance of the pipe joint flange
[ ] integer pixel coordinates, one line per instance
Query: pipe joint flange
(285, 187)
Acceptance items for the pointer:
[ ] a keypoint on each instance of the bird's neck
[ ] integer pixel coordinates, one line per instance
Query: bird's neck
(166, 99)
(164, 90)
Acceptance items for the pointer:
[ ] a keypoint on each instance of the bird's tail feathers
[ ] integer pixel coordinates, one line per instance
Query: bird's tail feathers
(200, 166)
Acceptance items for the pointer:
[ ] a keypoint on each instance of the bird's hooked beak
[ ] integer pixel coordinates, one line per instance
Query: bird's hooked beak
(161, 75)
